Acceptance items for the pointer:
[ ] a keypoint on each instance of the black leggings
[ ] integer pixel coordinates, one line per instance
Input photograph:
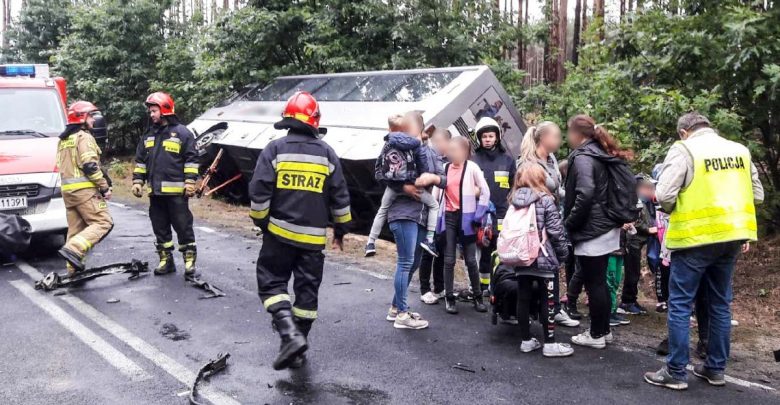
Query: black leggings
(594, 276)
(633, 266)
(662, 283)
(527, 296)
(453, 233)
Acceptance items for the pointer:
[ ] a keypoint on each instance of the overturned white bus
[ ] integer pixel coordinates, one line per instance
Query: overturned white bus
(354, 108)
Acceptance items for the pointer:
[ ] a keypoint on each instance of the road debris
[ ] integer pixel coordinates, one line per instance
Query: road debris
(342, 283)
(172, 332)
(463, 367)
(53, 281)
(205, 373)
(212, 291)
(112, 300)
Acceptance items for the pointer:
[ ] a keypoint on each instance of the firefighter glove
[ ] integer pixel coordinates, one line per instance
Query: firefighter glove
(189, 189)
(138, 190)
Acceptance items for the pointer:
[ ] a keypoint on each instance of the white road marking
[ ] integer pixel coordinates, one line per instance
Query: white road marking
(116, 204)
(171, 366)
(93, 341)
(206, 229)
(742, 383)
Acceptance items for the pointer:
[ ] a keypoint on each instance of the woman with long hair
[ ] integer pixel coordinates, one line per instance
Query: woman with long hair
(592, 232)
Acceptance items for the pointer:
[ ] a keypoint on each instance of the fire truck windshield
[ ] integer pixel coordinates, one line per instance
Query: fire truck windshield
(29, 109)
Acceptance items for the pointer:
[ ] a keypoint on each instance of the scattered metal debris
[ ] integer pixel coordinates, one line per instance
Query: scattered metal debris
(53, 281)
(463, 367)
(369, 290)
(205, 372)
(112, 300)
(212, 291)
(343, 283)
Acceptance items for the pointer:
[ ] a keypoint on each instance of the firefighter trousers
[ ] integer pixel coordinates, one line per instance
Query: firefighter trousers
(279, 261)
(88, 223)
(171, 211)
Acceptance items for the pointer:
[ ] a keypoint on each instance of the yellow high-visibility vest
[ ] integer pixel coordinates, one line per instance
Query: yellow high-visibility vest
(718, 204)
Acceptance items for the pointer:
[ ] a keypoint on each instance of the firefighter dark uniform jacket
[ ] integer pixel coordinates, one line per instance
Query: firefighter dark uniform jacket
(297, 187)
(166, 158)
(78, 160)
(497, 166)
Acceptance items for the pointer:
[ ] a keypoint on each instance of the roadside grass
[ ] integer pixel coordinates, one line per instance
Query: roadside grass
(756, 283)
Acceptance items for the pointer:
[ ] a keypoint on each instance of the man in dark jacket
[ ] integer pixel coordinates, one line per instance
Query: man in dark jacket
(166, 161)
(297, 187)
(499, 170)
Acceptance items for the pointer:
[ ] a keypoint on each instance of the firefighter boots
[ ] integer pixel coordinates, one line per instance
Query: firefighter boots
(304, 325)
(293, 341)
(166, 265)
(190, 254)
(73, 259)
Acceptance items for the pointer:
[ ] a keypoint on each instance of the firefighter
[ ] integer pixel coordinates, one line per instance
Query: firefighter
(84, 187)
(296, 188)
(166, 161)
(499, 170)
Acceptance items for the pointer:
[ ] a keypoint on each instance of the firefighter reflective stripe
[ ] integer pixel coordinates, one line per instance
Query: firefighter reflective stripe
(149, 142)
(259, 210)
(304, 158)
(501, 178)
(342, 215)
(304, 313)
(190, 168)
(89, 154)
(167, 245)
(140, 168)
(81, 242)
(96, 176)
(500, 225)
(275, 300)
(484, 278)
(302, 167)
(172, 186)
(68, 143)
(297, 233)
(171, 146)
(76, 183)
(298, 116)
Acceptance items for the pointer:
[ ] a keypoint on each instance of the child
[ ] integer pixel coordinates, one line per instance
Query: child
(461, 210)
(399, 148)
(645, 229)
(529, 188)
(439, 142)
(615, 276)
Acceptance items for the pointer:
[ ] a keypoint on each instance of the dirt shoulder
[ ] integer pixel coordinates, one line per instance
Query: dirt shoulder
(756, 285)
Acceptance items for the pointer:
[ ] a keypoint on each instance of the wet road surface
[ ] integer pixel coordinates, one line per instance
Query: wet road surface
(77, 348)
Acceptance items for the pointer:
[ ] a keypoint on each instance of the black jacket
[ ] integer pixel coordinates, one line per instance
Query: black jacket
(585, 203)
(166, 158)
(499, 170)
(549, 219)
(297, 187)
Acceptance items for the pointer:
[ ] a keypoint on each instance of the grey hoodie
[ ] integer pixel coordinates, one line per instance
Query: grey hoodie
(549, 219)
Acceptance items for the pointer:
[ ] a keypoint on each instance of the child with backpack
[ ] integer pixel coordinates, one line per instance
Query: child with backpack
(534, 242)
(402, 160)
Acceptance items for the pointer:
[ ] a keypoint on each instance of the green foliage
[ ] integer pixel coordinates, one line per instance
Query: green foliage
(109, 58)
(722, 61)
(37, 33)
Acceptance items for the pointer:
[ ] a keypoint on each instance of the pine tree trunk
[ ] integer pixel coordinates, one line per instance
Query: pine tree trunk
(563, 33)
(551, 45)
(4, 28)
(622, 9)
(520, 45)
(598, 15)
(575, 40)
(584, 22)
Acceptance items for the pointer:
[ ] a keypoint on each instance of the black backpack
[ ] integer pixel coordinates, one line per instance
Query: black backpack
(621, 192)
(395, 165)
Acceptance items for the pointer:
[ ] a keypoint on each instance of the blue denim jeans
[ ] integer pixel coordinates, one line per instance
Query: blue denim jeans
(709, 267)
(408, 235)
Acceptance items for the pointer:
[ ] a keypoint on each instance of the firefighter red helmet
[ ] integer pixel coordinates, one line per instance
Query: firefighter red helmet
(303, 107)
(78, 111)
(162, 100)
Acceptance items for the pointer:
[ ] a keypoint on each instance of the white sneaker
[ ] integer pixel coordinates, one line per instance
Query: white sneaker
(406, 320)
(429, 298)
(530, 345)
(562, 318)
(585, 339)
(557, 350)
(609, 337)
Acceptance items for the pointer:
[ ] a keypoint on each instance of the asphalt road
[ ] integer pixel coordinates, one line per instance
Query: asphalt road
(79, 349)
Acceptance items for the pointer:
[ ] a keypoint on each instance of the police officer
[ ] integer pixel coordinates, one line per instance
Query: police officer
(297, 187)
(166, 161)
(499, 170)
(84, 187)
(709, 186)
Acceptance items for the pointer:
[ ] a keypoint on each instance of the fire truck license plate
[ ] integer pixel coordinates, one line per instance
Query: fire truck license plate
(13, 203)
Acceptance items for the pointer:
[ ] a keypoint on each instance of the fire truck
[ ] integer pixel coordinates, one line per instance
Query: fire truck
(32, 115)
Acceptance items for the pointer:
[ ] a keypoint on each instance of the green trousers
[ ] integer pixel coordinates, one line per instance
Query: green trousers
(614, 278)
